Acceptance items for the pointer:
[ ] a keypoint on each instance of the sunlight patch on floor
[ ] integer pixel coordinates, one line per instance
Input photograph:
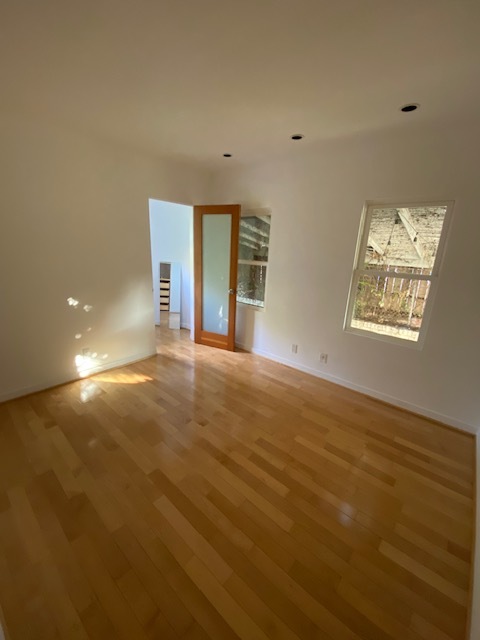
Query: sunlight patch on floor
(123, 378)
(89, 390)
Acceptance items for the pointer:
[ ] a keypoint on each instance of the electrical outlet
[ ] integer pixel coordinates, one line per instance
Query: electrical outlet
(294, 348)
(324, 358)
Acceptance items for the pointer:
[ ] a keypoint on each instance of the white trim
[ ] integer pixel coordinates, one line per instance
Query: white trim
(256, 212)
(395, 274)
(248, 305)
(18, 393)
(384, 337)
(423, 411)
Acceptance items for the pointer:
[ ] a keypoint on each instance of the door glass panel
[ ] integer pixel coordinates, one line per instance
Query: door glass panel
(216, 271)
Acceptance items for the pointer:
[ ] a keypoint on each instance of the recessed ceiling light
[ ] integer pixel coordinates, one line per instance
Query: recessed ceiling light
(409, 107)
(297, 136)
(227, 155)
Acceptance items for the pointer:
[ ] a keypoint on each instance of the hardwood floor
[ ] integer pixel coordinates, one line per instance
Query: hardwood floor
(203, 494)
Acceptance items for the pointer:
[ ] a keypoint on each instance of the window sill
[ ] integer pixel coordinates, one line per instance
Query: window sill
(253, 307)
(399, 342)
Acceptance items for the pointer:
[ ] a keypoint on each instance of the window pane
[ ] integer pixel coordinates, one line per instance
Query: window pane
(254, 238)
(390, 306)
(404, 239)
(251, 284)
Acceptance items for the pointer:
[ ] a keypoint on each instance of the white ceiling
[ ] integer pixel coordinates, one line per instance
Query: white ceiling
(197, 78)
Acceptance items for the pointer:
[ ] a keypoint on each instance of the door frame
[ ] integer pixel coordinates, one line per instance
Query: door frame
(205, 337)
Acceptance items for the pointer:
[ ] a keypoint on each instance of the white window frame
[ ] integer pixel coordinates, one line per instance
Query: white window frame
(251, 213)
(359, 271)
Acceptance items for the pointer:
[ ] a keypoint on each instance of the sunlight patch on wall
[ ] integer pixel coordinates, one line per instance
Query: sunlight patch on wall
(85, 365)
(88, 363)
(73, 302)
(85, 362)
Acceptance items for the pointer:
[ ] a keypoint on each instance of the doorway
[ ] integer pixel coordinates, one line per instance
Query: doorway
(171, 243)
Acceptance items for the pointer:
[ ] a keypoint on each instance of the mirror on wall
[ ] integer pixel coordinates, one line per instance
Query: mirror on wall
(170, 294)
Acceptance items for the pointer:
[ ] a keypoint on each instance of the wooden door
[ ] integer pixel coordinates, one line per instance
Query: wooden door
(215, 269)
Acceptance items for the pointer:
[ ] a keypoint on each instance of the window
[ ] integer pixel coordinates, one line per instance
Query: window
(396, 270)
(254, 241)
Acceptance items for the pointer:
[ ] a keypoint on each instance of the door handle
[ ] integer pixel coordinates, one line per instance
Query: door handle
(232, 292)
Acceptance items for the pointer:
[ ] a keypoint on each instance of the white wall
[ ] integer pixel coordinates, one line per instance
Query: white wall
(316, 196)
(171, 237)
(74, 222)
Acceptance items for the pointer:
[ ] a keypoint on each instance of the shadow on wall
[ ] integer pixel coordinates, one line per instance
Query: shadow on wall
(245, 326)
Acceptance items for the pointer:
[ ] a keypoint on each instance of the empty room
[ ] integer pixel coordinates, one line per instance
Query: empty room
(239, 311)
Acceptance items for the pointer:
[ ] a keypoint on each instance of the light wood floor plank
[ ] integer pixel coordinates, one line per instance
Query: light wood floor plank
(202, 494)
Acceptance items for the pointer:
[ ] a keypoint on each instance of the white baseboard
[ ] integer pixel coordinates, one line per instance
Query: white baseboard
(428, 413)
(48, 384)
